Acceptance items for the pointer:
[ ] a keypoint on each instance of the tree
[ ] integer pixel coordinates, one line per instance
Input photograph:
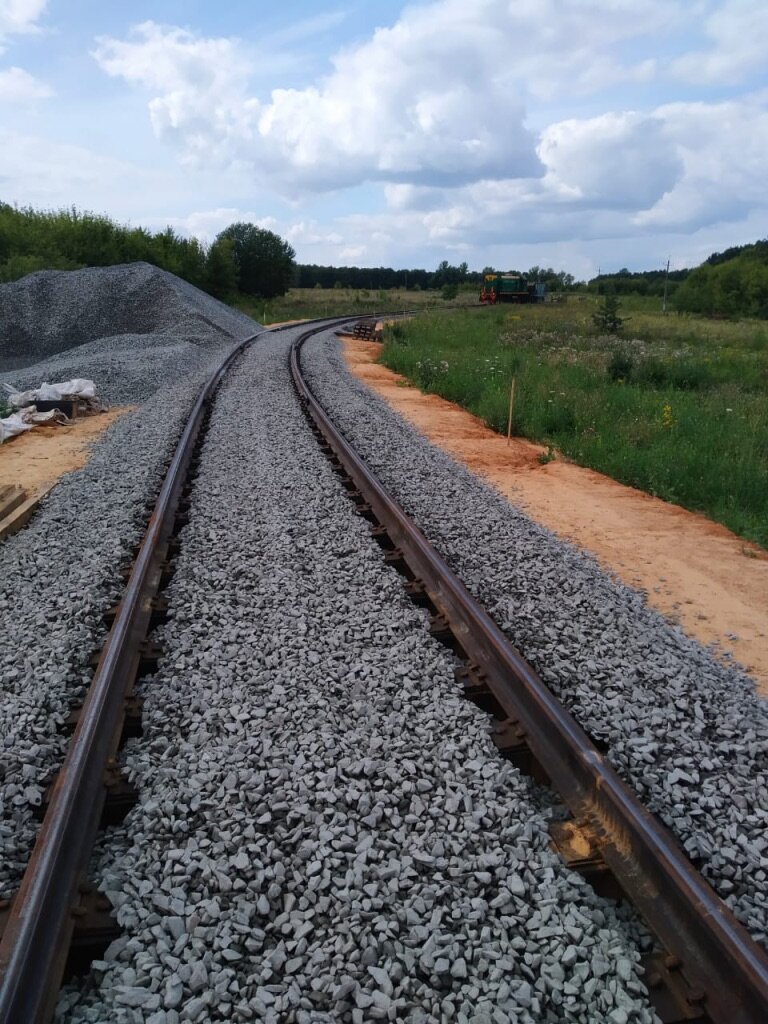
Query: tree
(606, 316)
(221, 269)
(265, 262)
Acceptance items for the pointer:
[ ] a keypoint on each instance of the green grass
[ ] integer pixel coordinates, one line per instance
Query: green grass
(677, 407)
(305, 303)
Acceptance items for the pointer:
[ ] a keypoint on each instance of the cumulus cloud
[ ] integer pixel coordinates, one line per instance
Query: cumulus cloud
(724, 152)
(737, 35)
(439, 109)
(18, 17)
(609, 176)
(18, 86)
(437, 99)
(387, 112)
(202, 101)
(614, 160)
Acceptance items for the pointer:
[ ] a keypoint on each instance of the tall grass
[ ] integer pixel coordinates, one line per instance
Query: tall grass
(676, 408)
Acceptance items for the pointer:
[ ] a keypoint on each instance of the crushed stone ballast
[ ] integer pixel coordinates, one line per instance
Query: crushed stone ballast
(321, 827)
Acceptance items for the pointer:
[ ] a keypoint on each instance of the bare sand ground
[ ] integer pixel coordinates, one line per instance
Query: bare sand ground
(695, 572)
(37, 459)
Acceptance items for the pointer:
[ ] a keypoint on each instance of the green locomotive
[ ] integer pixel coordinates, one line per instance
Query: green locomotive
(510, 288)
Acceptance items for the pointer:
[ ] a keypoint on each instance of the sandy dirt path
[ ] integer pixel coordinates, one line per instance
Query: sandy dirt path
(37, 459)
(695, 572)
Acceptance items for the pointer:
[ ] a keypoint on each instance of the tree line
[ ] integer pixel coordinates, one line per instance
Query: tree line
(733, 287)
(645, 282)
(254, 261)
(312, 275)
(242, 258)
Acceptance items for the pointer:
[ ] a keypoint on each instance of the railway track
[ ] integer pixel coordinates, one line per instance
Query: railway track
(710, 968)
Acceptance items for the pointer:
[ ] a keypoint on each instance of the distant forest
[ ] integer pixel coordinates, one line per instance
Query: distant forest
(310, 275)
(730, 283)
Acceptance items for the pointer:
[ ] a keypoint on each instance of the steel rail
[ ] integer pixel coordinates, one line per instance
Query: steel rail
(718, 958)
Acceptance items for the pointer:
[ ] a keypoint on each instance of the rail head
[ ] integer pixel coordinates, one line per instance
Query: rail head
(718, 956)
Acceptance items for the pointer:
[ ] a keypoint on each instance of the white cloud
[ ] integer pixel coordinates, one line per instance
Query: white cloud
(437, 99)
(614, 160)
(352, 254)
(724, 152)
(738, 44)
(18, 17)
(18, 86)
(489, 124)
(610, 176)
(202, 101)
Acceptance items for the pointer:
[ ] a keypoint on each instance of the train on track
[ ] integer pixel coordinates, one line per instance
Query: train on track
(510, 288)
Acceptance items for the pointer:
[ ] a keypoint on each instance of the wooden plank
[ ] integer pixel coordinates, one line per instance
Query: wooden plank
(21, 515)
(11, 500)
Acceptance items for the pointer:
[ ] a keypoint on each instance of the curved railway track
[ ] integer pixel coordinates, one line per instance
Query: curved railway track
(711, 970)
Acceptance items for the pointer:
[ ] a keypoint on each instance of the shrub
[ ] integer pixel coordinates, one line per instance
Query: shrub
(620, 366)
(680, 375)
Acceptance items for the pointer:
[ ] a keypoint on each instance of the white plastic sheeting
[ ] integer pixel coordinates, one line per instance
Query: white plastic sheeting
(79, 387)
(27, 419)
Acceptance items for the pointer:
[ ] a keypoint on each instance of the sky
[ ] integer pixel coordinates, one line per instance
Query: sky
(579, 134)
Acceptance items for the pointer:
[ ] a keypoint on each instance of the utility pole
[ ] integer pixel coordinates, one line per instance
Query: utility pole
(666, 278)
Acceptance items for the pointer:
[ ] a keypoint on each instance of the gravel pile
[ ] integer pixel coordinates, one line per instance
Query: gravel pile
(685, 729)
(127, 368)
(51, 311)
(325, 831)
(61, 573)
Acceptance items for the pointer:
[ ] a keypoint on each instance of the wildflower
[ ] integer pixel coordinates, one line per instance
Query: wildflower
(729, 410)
(667, 420)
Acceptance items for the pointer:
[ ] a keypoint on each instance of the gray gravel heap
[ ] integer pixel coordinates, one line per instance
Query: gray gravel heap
(53, 310)
(684, 728)
(325, 831)
(62, 572)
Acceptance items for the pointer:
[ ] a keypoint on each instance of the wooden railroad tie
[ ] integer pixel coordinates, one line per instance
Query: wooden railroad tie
(366, 330)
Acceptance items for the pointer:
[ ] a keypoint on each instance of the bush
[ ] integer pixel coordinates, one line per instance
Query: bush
(449, 291)
(621, 365)
(680, 375)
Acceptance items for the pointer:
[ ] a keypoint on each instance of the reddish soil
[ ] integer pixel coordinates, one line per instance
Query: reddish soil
(37, 459)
